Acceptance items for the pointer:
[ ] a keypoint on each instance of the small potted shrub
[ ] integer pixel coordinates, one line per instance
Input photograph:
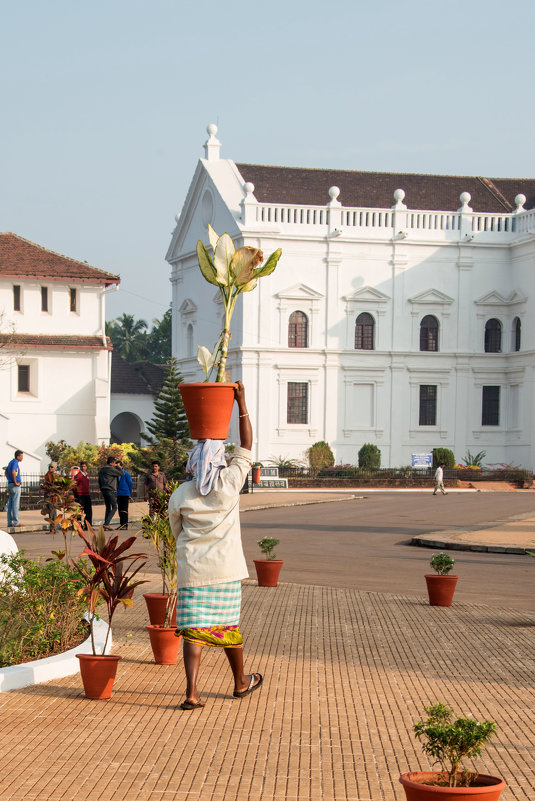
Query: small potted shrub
(449, 741)
(107, 575)
(440, 585)
(268, 569)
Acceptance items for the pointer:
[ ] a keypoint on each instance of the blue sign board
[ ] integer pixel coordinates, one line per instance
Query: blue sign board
(421, 460)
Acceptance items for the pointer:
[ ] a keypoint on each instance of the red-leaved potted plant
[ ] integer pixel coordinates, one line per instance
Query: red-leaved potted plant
(208, 405)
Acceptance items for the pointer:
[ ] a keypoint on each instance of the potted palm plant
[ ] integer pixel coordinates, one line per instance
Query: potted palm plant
(449, 741)
(107, 575)
(440, 585)
(162, 606)
(268, 569)
(208, 405)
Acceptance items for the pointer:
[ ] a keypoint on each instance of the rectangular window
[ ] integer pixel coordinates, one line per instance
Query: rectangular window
(23, 377)
(490, 411)
(73, 299)
(16, 297)
(297, 411)
(44, 298)
(428, 405)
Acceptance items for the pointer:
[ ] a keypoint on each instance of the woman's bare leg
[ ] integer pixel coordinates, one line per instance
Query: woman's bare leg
(191, 653)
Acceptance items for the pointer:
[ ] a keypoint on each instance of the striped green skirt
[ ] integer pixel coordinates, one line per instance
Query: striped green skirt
(210, 615)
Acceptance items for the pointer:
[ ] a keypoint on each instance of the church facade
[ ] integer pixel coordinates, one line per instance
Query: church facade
(401, 312)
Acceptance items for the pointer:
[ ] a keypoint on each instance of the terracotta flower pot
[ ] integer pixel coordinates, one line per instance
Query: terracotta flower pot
(156, 603)
(440, 589)
(165, 646)
(257, 471)
(98, 674)
(208, 407)
(267, 571)
(487, 788)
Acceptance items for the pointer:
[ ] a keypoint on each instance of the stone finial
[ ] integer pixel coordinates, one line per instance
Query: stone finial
(519, 203)
(248, 189)
(212, 146)
(465, 198)
(399, 196)
(334, 191)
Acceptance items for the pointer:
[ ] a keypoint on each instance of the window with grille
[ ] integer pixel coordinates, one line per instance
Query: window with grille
(428, 405)
(493, 336)
(517, 330)
(44, 298)
(23, 377)
(490, 413)
(364, 332)
(298, 330)
(16, 297)
(429, 333)
(297, 411)
(73, 297)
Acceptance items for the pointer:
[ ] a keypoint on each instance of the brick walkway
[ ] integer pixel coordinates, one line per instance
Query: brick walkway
(346, 674)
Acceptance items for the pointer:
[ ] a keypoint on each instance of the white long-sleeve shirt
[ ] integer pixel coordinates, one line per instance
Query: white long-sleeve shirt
(439, 474)
(207, 527)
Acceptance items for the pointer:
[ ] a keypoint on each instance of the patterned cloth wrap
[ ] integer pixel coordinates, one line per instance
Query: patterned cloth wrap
(205, 461)
(210, 615)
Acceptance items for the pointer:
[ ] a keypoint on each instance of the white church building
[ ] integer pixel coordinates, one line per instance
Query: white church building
(55, 358)
(402, 311)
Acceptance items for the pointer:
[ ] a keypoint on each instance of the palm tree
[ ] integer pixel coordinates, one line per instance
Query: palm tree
(128, 336)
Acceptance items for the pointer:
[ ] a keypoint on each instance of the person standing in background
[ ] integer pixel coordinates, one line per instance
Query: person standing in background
(14, 484)
(155, 480)
(124, 493)
(108, 478)
(50, 497)
(82, 494)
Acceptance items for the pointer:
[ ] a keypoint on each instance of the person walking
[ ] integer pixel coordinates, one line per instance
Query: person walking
(82, 494)
(204, 518)
(155, 480)
(14, 484)
(439, 480)
(124, 493)
(108, 478)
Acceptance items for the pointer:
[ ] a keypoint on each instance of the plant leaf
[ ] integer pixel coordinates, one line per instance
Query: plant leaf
(249, 286)
(205, 358)
(205, 264)
(243, 263)
(224, 251)
(270, 264)
(213, 237)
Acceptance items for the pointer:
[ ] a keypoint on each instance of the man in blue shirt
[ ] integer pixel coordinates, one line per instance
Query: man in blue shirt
(14, 482)
(124, 492)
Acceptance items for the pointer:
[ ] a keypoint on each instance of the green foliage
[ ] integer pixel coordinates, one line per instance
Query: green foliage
(267, 546)
(55, 450)
(474, 460)
(40, 609)
(320, 455)
(131, 339)
(448, 742)
(60, 493)
(442, 563)
(284, 462)
(369, 457)
(157, 529)
(95, 456)
(443, 456)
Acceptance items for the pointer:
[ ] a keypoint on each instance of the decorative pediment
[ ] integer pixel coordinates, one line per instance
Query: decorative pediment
(495, 298)
(431, 297)
(299, 292)
(367, 294)
(187, 307)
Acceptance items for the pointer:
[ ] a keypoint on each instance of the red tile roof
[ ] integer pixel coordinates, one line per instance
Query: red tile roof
(21, 258)
(305, 186)
(53, 342)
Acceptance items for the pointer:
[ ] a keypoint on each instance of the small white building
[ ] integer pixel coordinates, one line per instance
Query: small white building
(55, 357)
(134, 388)
(399, 313)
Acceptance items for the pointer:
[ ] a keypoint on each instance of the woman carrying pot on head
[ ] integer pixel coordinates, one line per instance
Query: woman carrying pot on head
(204, 518)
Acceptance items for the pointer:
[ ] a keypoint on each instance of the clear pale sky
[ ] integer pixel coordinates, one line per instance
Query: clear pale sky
(105, 105)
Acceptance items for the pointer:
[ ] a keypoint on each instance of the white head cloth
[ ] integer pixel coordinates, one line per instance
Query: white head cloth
(205, 461)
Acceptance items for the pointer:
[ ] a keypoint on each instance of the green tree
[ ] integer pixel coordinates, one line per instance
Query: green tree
(320, 455)
(159, 339)
(370, 457)
(128, 337)
(443, 456)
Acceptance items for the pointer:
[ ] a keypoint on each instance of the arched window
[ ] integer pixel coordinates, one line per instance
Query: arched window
(493, 336)
(429, 333)
(365, 332)
(189, 340)
(517, 333)
(298, 330)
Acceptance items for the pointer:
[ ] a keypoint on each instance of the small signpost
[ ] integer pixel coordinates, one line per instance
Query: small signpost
(421, 461)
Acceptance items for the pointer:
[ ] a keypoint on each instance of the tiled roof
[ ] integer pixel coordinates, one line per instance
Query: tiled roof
(305, 186)
(135, 378)
(24, 259)
(53, 341)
